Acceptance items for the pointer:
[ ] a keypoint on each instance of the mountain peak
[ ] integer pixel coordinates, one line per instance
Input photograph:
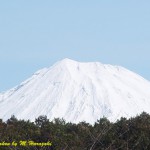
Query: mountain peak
(78, 92)
(67, 60)
(71, 63)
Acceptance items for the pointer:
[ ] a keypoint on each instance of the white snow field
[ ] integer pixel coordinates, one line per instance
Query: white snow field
(77, 92)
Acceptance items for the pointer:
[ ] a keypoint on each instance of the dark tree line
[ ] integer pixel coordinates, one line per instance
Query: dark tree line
(124, 134)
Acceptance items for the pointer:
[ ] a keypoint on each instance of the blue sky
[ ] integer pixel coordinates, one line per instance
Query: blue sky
(35, 34)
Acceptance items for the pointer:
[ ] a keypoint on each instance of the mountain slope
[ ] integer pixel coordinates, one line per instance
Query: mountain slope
(78, 91)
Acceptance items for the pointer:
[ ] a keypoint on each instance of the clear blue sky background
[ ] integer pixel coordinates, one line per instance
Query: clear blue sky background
(35, 34)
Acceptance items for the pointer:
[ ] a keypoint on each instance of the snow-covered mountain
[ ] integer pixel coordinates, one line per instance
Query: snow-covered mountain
(78, 92)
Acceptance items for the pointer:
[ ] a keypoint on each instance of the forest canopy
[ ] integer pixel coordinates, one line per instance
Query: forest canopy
(130, 134)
